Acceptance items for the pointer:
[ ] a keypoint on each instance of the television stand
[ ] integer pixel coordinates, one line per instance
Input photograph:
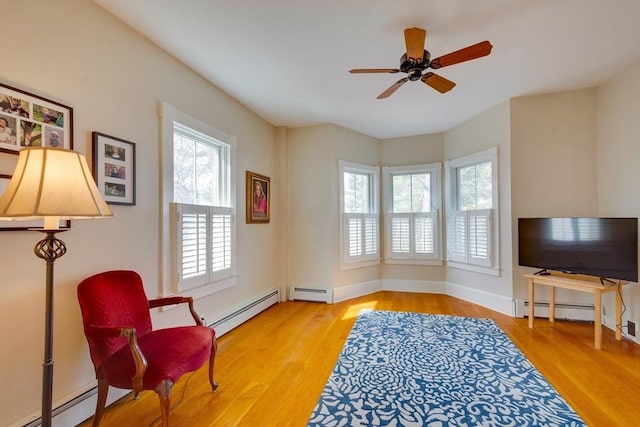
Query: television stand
(588, 284)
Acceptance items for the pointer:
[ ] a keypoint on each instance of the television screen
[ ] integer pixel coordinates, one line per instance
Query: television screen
(601, 247)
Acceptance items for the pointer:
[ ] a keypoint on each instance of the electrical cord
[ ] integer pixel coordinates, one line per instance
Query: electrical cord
(624, 308)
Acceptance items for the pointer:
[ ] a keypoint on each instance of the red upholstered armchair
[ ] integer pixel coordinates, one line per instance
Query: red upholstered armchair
(126, 352)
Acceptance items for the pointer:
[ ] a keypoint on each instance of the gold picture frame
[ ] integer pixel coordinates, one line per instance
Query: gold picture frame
(258, 198)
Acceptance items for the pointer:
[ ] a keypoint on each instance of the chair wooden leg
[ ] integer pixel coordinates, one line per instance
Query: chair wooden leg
(103, 390)
(212, 357)
(164, 393)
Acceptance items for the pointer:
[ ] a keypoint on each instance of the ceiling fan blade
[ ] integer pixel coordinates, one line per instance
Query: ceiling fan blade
(375, 70)
(414, 39)
(393, 88)
(477, 50)
(437, 82)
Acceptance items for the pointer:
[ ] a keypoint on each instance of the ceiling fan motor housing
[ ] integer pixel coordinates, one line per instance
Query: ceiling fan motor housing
(413, 68)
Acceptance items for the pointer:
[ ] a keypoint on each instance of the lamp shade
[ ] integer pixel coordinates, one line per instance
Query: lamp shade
(52, 183)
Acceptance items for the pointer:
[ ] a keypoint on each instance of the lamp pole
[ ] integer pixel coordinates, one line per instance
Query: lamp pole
(49, 249)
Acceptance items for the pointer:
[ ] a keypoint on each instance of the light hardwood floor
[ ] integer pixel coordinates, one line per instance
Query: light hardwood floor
(272, 369)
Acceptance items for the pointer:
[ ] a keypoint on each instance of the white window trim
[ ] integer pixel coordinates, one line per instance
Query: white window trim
(491, 154)
(435, 169)
(169, 115)
(346, 262)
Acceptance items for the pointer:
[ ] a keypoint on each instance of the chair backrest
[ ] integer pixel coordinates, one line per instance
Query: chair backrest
(113, 298)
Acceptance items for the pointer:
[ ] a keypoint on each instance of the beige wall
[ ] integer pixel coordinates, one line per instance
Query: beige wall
(553, 163)
(488, 129)
(313, 193)
(618, 103)
(75, 53)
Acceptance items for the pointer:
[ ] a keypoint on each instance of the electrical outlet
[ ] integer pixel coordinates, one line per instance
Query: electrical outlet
(631, 328)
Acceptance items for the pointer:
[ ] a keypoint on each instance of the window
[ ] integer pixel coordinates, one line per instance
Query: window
(198, 192)
(359, 215)
(472, 191)
(412, 206)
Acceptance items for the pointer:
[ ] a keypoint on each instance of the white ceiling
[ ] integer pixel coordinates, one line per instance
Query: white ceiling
(288, 60)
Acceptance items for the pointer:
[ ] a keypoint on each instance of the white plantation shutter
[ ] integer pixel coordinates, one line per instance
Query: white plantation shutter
(414, 235)
(400, 234)
(203, 246)
(361, 235)
(425, 235)
(221, 225)
(354, 234)
(469, 237)
(370, 234)
(190, 236)
(480, 237)
(193, 247)
(457, 236)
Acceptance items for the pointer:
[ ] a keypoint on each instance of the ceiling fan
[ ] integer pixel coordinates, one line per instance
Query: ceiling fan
(417, 59)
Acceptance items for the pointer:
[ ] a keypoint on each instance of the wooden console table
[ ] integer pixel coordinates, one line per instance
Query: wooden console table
(582, 284)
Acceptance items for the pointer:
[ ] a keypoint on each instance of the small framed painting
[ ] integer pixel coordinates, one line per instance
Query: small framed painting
(258, 198)
(28, 120)
(114, 168)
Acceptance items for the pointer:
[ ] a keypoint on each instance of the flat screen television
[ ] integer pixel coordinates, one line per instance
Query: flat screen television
(601, 247)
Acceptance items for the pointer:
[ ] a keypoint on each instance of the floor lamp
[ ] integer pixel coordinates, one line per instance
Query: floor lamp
(51, 184)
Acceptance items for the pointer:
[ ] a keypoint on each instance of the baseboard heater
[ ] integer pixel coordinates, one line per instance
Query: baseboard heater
(81, 407)
(568, 311)
(244, 313)
(311, 294)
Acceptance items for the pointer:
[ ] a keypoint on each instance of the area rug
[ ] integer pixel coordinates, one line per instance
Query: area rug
(410, 369)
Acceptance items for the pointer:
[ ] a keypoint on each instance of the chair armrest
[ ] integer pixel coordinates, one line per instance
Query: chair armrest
(161, 302)
(140, 362)
(138, 359)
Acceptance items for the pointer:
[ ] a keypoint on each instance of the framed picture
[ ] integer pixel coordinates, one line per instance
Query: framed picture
(28, 120)
(21, 225)
(114, 168)
(258, 198)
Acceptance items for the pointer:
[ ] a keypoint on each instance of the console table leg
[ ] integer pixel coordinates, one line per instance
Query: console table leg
(552, 304)
(619, 312)
(598, 319)
(531, 303)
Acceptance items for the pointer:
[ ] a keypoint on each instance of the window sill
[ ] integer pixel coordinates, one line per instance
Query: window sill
(207, 289)
(359, 264)
(474, 268)
(426, 262)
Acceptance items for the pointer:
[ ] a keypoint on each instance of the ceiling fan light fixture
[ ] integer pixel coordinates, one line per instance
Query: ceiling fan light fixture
(414, 74)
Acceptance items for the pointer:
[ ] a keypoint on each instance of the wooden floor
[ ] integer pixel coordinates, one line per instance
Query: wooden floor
(272, 369)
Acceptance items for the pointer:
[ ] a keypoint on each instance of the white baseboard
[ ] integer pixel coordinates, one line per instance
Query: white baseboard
(344, 293)
(417, 286)
(495, 302)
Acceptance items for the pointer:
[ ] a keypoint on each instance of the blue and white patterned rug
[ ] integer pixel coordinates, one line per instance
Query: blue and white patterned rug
(410, 369)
